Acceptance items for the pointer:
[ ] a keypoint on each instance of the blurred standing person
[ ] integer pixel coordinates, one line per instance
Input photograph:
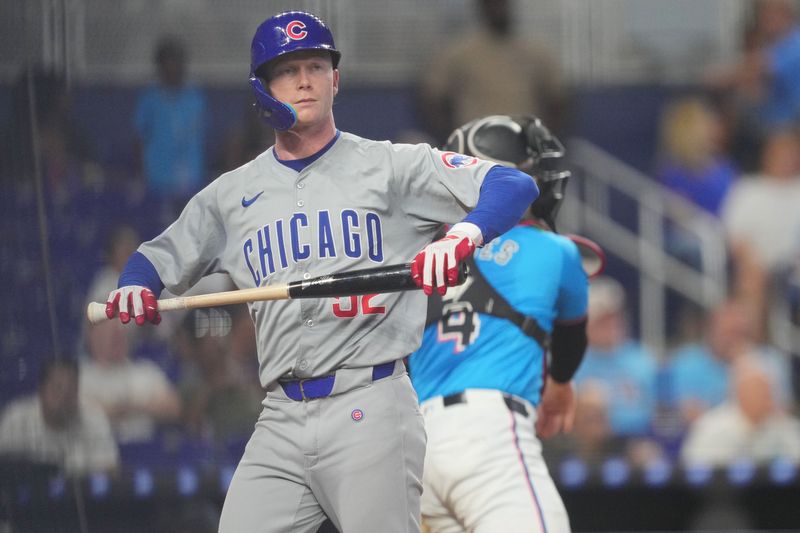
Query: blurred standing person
(692, 164)
(54, 427)
(762, 222)
(491, 71)
(692, 161)
(170, 120)
(764, 84)
(775, 63)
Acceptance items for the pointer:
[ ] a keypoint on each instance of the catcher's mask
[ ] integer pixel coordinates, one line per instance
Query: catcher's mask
(521, 142)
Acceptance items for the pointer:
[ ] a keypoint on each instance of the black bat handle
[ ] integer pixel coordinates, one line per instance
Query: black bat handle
(390, 278)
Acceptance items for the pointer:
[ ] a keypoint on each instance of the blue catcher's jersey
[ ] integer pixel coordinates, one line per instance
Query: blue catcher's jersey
(540, 274)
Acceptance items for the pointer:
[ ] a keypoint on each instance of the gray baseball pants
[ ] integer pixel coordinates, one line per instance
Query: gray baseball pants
(355, 456)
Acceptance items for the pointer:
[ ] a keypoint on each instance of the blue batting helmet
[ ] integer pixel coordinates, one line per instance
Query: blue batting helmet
(286, 32)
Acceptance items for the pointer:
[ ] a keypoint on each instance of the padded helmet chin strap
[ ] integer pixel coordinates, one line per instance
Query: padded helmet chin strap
(277, 114)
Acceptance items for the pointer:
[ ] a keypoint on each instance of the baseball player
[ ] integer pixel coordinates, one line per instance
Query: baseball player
(340, 433)
(484, 381)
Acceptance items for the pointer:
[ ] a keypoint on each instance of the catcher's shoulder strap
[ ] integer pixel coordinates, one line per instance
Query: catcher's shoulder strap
(478, 295)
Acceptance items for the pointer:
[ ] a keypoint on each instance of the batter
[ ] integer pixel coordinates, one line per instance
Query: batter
(341, 434)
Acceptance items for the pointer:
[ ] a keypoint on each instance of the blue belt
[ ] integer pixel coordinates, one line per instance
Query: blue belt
(310, 389)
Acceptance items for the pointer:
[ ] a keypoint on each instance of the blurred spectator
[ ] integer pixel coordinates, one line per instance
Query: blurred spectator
(764, 84)
(136, 394)
(170, 120)
(698, 375)
(692, 162)
(122, 241)
(220, 399)
(491, 71)
(53, 426)
(762, 222)
(625, 369)
(749, 426)
(66, 160)
(242, 346)
(245, 140)
(171, 322)
(591, 439)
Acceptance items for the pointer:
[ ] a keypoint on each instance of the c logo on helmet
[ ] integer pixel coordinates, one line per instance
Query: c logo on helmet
(456, 160)
(295, 30)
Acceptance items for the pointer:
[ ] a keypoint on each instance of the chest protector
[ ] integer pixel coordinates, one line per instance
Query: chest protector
(476, 295)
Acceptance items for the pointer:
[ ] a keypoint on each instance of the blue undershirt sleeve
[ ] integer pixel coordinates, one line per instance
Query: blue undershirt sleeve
(505, 195)
(140, 271)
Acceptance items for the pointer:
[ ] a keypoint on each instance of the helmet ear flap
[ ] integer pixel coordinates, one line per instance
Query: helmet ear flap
(277, 114)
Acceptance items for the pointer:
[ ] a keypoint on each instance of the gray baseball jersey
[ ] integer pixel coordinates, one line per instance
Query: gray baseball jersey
(362, 204)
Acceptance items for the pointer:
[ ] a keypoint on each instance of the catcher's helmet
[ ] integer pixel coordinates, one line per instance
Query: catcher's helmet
(286, 32)
(521, 142)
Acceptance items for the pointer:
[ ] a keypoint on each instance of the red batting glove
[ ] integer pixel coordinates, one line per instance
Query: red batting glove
(437, 264)
(134, 298)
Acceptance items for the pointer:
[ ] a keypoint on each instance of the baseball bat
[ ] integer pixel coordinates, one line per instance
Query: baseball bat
(390, 278)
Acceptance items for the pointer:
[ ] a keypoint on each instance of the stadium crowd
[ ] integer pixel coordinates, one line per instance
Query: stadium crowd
(102, 398)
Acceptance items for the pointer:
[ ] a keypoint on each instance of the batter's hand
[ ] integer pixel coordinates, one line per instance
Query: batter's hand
(437, 264)
(136, 301)
(556, 411)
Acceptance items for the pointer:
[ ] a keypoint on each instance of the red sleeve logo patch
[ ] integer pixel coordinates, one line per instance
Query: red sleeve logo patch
(456, 160)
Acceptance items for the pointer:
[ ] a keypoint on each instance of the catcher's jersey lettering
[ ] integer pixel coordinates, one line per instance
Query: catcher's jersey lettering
(321, 237)
(501, 254)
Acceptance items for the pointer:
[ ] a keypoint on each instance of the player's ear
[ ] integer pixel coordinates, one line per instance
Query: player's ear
(335, 81)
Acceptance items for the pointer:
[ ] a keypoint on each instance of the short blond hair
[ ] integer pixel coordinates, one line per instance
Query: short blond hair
(686, 132)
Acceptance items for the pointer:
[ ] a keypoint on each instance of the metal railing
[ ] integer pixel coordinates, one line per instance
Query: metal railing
(602, 183)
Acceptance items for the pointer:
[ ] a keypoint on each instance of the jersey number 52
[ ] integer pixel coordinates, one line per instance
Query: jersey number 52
(350, 307)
